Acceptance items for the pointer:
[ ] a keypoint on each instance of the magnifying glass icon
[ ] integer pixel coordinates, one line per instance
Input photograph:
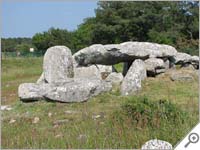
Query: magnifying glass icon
(193, 138)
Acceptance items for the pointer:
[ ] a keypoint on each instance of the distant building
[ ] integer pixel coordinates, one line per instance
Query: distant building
(31, 49)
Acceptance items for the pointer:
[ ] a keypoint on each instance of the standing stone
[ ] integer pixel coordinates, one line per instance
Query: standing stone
(58, 64)
(133, 78)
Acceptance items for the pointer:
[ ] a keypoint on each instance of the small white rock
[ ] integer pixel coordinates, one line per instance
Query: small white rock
(12, 121)
(156, 144)
(36, 120)
(6, 107)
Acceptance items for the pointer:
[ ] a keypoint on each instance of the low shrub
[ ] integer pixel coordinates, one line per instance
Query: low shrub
(144, 112)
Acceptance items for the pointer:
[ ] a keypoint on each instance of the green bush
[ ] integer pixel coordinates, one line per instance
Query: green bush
(144, 112)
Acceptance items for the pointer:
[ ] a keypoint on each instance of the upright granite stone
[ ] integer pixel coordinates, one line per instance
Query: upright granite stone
(124, 52)
(58, 64)
(133, 78)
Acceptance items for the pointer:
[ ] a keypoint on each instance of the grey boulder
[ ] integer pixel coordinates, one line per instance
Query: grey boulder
(156, 144)
(132, 81)
(58, 64)
(184, 59)
(87, 72)
(92, 71)
(72, 90)
(181, 58)
(181, 77)
(31, 91)
(115, 78)
(154, 66)
(78, 90)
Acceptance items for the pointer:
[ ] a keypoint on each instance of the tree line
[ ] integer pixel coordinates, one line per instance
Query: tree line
(173, 23)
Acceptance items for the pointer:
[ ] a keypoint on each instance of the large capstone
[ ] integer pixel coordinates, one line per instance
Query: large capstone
(124, 52)
(58, 64)
(72, 90)
(132, 81)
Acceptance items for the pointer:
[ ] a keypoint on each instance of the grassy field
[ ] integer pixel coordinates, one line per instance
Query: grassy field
(104, 121)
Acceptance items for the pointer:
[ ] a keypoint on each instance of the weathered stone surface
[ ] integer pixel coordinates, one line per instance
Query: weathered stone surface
(104, 70)
(78, 90)
(87, 72)
(148, 50)
(93, 71)
(31, 91)
(58, 64)
(157, 145)
(181, 58)
(181, 77)
(115, 78)
(154, 66)
(194, 59)
(133, 78)
(72, 90)
(124, 52)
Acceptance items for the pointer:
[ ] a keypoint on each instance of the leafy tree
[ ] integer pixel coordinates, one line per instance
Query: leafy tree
(9, 44)
(51, 38)
(24, 48)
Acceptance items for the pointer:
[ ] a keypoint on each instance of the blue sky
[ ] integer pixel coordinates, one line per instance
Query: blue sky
(24, 19)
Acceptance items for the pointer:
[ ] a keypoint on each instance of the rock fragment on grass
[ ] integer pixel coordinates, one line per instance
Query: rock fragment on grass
(5, 107)
(156, 144)
(12, 121)
(36, 120)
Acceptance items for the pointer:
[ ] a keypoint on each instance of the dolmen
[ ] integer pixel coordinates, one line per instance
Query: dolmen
(91, 70)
